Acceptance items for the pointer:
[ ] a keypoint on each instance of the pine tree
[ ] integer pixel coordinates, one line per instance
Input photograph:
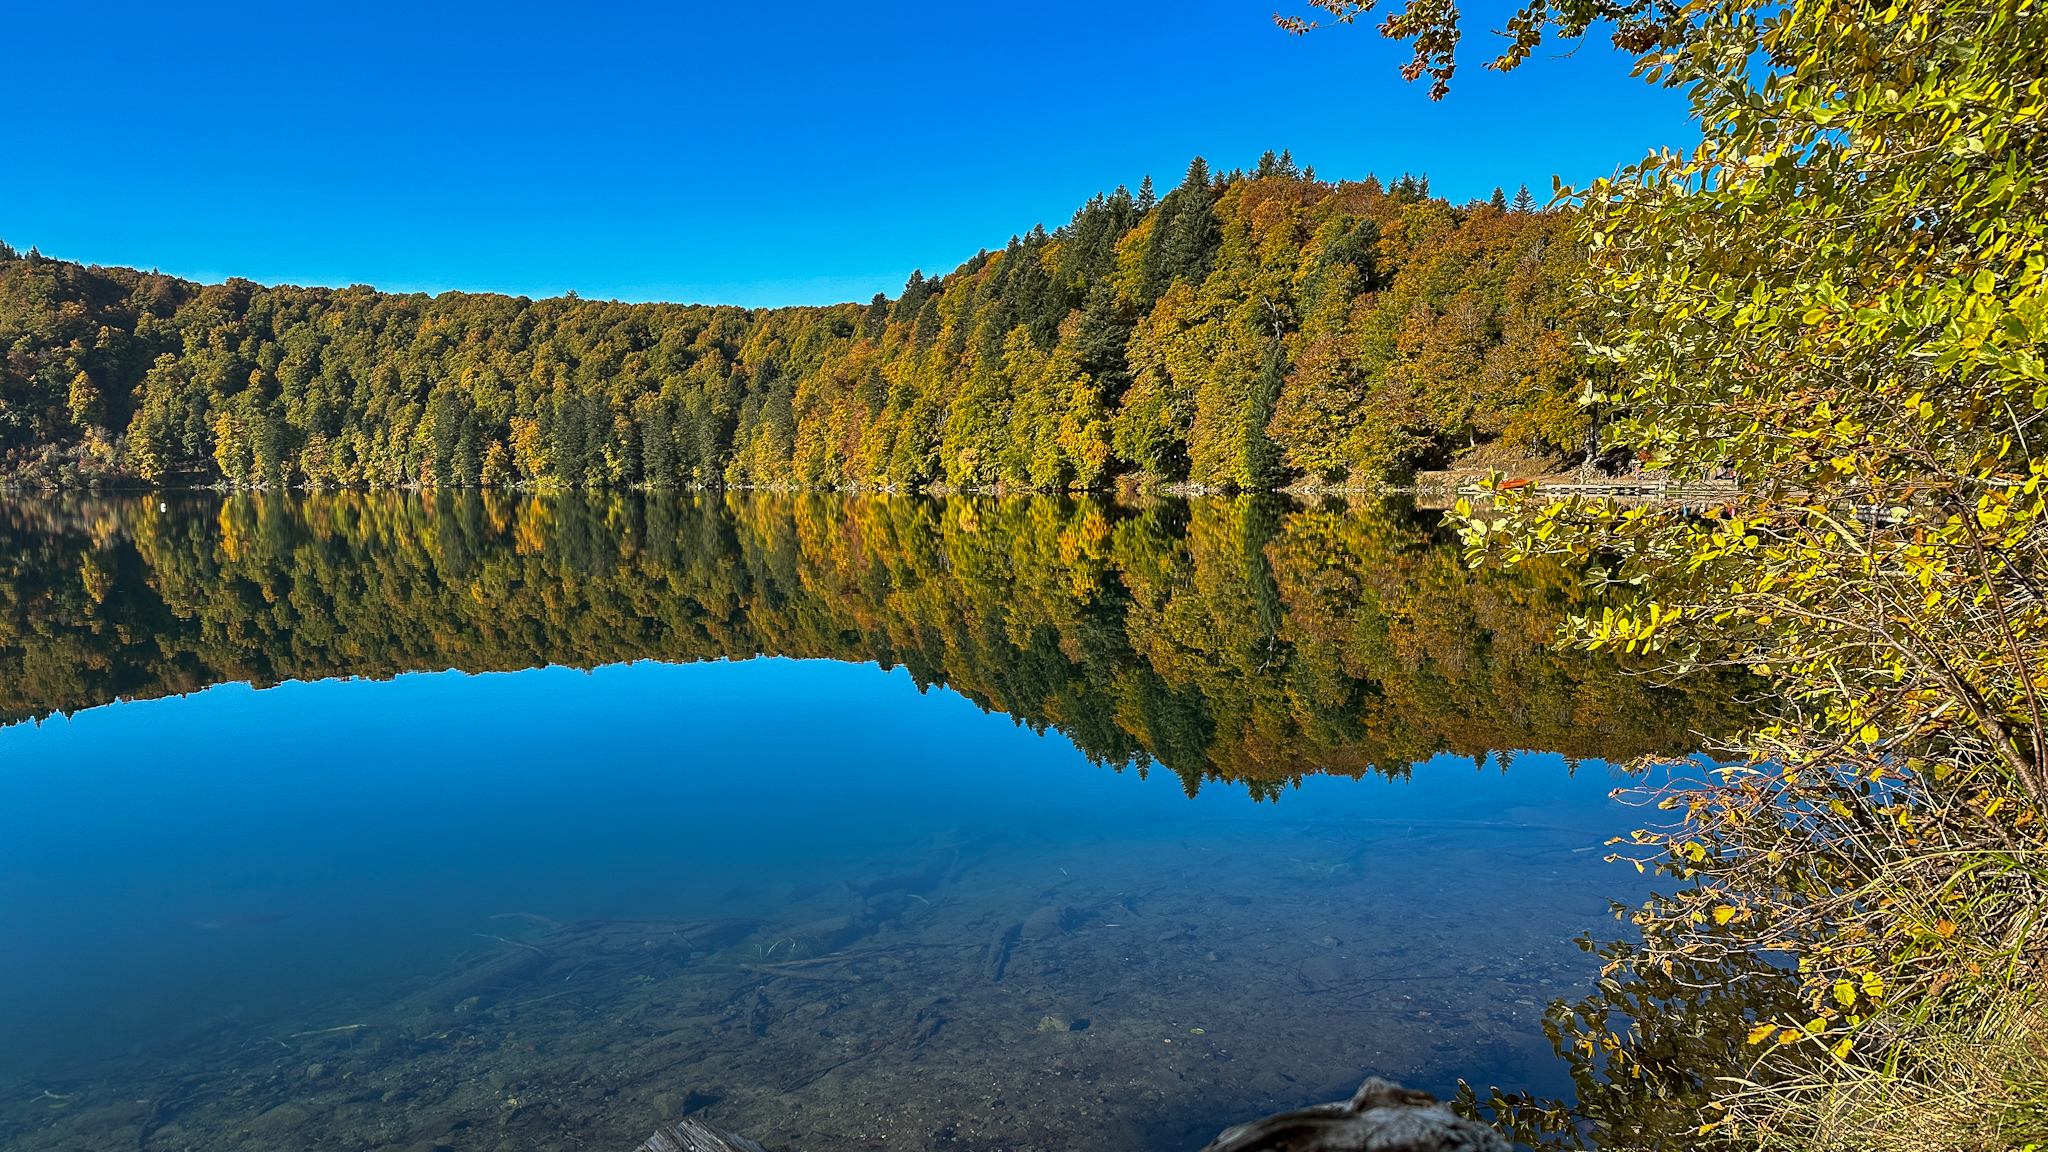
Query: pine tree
(1146, 197)
(447, 418)
(1031, 298)
(1359, 248)
(1499, 201)
(469, 450)
(1262, 465)
(1101, 339)
(1523, 201)
(656, 446)
(929, 321)
(569, 440)
(1185, 236)
(1092, 237)
(912, 301)
(1269, 165)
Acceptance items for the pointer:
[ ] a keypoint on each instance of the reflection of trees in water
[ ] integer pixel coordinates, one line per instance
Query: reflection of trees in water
(1645, 1052)
(1243, 639)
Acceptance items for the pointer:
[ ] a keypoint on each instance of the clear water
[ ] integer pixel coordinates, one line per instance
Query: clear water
(804, 899)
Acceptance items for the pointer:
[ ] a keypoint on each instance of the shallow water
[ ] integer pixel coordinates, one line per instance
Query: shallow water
(809, 900)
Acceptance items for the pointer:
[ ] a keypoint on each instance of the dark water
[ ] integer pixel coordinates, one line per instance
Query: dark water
(970, 824)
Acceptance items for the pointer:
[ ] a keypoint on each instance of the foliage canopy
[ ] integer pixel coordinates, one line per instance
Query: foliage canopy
(1243, 331)
(1838, 299)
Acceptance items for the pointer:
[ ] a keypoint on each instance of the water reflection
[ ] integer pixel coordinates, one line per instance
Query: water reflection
(1644, 1049)
(1243, 640)
(546, 910)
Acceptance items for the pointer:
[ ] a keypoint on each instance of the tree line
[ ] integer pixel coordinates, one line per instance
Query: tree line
(1246, 331)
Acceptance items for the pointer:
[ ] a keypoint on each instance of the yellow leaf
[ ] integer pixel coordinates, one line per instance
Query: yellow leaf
(1723, 914)
(1845, 993)
(1761, 1033)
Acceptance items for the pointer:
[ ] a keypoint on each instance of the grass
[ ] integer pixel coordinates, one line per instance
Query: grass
(1974, 1086)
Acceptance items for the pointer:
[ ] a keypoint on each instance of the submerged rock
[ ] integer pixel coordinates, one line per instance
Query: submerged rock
(693, 1135)
(1381, 1117)
(1046, 923)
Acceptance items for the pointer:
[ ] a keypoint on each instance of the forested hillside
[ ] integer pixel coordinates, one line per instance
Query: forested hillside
(1244, 331)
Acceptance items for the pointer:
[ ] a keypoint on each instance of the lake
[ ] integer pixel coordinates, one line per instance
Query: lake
(493, 822)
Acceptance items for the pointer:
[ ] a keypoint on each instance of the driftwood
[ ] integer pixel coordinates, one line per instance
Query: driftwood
(692, 1135)
(1381, 1117)
(998, 953)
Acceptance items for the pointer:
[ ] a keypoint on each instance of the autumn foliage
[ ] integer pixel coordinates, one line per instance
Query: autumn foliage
(1247, 330)
(1241, 639)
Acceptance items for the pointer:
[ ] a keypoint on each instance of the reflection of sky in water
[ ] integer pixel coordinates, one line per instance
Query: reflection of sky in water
(289, 855)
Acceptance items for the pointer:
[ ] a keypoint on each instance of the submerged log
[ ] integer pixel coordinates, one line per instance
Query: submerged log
(594, 945)
(1380, 1117)
(692, 1135)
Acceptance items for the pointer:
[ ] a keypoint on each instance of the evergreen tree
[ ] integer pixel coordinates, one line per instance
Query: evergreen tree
(911, 302)
(447, 432)
(1191, 246)
(1499, 201)
(1101, 339)
(657, 452)
(600, 434)
(1092, 237)
(778, 415)
(570, 440)
(1358, 247)
(1524, 202)
(469, 451)
(1262, 466)
(577, 393)
(929, 322)
(1185, 235)
(1032, 297)
(876, 318)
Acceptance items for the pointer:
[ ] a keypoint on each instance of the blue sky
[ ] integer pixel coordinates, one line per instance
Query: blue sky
(792, 154)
